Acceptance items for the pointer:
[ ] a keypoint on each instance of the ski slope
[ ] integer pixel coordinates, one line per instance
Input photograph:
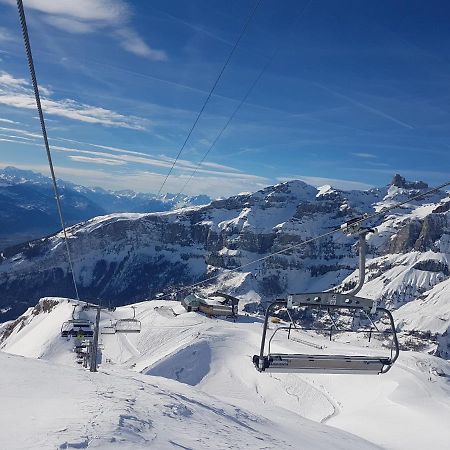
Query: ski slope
(187, 381)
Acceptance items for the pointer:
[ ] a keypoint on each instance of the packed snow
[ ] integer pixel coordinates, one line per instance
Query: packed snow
(187, 381)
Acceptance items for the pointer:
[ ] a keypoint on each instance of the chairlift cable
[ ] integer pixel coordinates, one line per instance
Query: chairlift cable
(244, 29)
(238, 107)
(241, 103)
(26, 40)
(316, 238)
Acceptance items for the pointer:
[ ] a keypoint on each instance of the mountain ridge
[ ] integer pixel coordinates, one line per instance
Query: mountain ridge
(123, 258)
(28, 210)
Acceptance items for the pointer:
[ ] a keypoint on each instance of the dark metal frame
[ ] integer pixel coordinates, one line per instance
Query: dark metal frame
(327, 301)
(133, 320)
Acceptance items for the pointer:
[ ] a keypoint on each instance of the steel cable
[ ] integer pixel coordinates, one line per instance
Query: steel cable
(241, 103)
(244, 29)
(26, 40)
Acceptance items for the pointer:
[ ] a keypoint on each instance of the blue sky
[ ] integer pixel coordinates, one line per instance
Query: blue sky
(354, 92)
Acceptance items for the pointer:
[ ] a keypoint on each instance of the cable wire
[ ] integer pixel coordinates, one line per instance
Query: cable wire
(26, 40)
(244, 29)
(308, 241)
(238, 107)
(244, 99)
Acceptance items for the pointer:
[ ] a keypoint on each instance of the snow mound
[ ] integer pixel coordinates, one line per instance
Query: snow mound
(188, 365)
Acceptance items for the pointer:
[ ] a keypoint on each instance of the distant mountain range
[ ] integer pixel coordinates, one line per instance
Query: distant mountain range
(28, 209)
(122, 258)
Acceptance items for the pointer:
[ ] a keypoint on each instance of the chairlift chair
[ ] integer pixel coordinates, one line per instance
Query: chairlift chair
(329, 301)
(108, 329)
(68, 326)
(321, 363)
(131, 325)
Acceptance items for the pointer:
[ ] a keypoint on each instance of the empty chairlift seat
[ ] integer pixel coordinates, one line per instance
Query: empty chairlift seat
(301, 363)
(108, 329)
(127, 326)
(320, 363)
(131, 325)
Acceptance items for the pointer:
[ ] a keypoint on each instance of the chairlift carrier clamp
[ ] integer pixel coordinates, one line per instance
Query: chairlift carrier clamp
(278, 362)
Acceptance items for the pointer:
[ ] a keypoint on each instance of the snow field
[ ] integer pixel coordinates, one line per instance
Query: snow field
(188, 381)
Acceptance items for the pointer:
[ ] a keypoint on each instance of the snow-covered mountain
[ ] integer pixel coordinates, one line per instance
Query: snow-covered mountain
(28, 210)
(187, 381)
(121, 258)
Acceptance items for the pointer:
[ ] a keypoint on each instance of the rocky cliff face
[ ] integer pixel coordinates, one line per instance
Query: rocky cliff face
(121, 258)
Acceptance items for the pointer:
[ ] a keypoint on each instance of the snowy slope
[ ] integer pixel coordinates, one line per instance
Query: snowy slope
(121, 258)
(187, 377)
(64, 407)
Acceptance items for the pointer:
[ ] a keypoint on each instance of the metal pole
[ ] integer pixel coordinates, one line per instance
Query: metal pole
(266, 325)
(362, 263)
(94, 347)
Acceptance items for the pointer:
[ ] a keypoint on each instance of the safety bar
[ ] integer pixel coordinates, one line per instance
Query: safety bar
(305, 300)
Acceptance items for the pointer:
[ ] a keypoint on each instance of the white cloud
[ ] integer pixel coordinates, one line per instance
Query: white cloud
(89, 160)
(8, 80)
(24, 132)
(5, 35)
(94, 10)
(16, 92)
(165, 161)
(70, 25)
(123, 156)
(365, 155)
(132, 42)
(8, 121)
(215, 180)
(88, 16)
(183, 169)
(219, 166)
(145, 181)
(13, 136)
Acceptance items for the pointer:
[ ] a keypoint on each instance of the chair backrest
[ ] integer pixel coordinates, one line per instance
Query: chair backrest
(128, 326)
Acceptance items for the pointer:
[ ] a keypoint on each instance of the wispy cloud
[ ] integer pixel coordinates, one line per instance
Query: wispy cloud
(17, 92)
(70, 25)
(8, 121)
(364, 106)
(89, 16)
(5, 35)
(14, 136)
(132, 42)
(365, 155)
(184, 167)
(115, 156)
(90, 160)
(9, 81)
(148, 181)
(109, 11)
(23, 132)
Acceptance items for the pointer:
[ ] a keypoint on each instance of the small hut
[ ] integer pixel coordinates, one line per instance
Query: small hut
(192, 302)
